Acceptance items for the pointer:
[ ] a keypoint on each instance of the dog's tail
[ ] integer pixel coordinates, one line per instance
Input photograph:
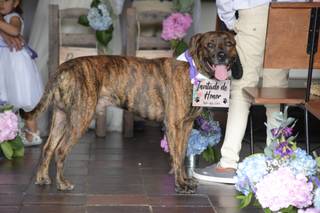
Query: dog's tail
(44, 101)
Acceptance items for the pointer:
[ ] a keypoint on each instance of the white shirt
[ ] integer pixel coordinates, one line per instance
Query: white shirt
(228, 8)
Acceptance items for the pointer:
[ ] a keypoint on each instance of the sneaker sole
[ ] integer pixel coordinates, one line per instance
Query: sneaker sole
(213, 179)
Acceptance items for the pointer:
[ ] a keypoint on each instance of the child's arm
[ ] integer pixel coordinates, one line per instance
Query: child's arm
(13, 42)
(13, 28)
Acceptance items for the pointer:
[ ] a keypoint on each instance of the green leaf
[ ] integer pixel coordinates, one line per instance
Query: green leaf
(18, 147)
(6, 107)
(104, 37)
(7, 150)
(184, 6)
(267, 210)
(290, 209)
(318, 161)
(83, 20)
(240, 197)
(18, 152)
(95, 3)
(209, 155)
(246, 200)
(181, 47)
(16, 143)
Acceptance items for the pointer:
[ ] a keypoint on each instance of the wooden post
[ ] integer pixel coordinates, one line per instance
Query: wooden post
(101, 125)
(54, 38)
(131, 51)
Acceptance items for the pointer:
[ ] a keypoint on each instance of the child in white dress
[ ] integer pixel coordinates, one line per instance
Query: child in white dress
(20, 81)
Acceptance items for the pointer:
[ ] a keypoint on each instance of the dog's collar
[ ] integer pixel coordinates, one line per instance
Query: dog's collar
(192, 68)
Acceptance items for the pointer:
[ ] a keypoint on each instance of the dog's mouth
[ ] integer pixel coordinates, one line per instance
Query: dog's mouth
(219, 71)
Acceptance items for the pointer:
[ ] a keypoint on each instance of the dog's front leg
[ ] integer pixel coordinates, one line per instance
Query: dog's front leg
(178, 135)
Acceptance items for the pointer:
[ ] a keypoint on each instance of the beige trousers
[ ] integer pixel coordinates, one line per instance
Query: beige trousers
(251, 35)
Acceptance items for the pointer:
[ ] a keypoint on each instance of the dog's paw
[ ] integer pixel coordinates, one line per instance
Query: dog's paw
(193, 182)
(64, 185)
(43, 181)
(189, 187)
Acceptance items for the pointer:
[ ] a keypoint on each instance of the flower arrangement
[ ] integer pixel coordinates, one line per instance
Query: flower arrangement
(176, 26)
(10, 142)
(203, 137)
(283, 178)
(100, 19)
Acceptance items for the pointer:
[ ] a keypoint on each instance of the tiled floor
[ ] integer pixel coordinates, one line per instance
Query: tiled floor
(111, 175)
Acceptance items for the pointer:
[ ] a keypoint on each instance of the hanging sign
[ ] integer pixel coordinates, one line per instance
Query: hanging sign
(211, 93)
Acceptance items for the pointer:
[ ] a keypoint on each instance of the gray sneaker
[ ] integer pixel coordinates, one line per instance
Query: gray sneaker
(215, 173)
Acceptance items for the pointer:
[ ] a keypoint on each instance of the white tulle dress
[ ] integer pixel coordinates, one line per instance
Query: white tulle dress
(20, 82)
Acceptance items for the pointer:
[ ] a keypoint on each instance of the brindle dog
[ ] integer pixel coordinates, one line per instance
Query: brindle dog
(155, 89)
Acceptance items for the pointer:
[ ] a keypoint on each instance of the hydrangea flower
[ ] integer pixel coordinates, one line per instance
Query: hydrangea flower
(250, 171)
(303, 163)
(176, 26)
(291, 173)
(8, 126)
(99, 17)
(316, 199)
(199, 140)
(309, 210)
(208, 135)
(281, 188)
(164, 144)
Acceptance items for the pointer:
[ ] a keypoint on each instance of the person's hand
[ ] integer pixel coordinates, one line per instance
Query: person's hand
(14, 42)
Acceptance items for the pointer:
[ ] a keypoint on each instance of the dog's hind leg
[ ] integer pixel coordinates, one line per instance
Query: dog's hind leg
(80, 118)
(56, 135)
(178, 134)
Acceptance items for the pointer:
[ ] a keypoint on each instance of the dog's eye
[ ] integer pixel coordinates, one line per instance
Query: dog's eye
(229, 44)
(210, 45)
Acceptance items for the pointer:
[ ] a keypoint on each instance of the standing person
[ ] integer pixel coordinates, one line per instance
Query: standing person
(250, 29)
(20, 82)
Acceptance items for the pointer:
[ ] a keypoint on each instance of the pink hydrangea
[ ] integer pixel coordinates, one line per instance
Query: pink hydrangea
(8, 126)
(309, 210)
(176, 26)
(281, 188)
(164, 144)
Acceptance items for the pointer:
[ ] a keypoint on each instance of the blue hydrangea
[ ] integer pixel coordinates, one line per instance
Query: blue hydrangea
(303, 163)
(316, 198)
(249, 172)
(99, 17)
(198, 142)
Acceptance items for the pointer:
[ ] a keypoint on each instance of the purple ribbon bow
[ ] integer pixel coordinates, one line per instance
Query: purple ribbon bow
(192, 69)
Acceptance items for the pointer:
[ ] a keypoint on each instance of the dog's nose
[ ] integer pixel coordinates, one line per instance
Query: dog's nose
(221, 56)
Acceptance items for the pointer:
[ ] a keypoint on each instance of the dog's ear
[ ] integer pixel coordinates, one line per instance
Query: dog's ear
(193, 44)
(236, 69)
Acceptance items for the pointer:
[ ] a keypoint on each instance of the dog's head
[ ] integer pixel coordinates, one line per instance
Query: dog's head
(213, 53)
